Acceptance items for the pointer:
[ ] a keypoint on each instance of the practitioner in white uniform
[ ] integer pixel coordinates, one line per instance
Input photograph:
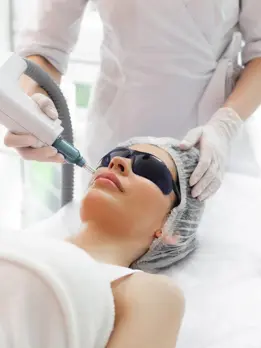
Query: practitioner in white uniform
(166, 67)
(90, 291)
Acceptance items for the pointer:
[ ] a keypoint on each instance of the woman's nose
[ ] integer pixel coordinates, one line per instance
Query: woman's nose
(122, 165)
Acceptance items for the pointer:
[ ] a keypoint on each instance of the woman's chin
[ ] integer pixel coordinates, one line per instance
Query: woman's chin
(103, 192)
(100, 200)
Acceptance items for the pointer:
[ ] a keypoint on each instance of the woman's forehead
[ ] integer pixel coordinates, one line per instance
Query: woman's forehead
(163, 155)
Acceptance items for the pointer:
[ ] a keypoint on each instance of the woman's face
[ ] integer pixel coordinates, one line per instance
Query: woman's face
(135, 207)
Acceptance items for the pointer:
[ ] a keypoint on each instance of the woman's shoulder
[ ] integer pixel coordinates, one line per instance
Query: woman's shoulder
(146, 281)
(141, 288)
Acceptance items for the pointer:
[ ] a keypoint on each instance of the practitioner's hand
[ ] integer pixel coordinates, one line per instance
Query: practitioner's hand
(24, 143)
(213, 141)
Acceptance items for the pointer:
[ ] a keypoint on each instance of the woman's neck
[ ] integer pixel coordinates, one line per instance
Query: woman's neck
(104, 246)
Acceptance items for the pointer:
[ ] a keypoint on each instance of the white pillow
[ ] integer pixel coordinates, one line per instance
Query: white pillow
(64, 223)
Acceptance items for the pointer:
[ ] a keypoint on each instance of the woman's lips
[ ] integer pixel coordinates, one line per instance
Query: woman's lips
(112, 177)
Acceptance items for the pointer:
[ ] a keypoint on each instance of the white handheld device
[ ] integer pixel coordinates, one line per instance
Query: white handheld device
(20, 114)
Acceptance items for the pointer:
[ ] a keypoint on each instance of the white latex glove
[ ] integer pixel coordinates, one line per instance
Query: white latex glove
(213, 141)
(22, 143)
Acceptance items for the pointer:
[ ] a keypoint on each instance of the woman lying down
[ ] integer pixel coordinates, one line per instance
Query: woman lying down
(98, 289)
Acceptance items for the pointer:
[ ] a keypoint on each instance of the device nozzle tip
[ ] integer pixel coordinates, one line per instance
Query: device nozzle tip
(88, 168)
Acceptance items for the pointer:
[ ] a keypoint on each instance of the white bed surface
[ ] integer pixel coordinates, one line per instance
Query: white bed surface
(222, 279)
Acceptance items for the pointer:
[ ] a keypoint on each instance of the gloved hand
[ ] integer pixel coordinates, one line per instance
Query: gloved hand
(213, 141)
(22, 143)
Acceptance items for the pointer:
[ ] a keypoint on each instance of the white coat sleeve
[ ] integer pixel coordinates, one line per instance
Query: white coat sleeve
(250, 27)
(30, 314)
(51, 30)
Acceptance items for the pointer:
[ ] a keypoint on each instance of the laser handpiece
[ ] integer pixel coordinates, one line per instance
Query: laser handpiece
(20, 114)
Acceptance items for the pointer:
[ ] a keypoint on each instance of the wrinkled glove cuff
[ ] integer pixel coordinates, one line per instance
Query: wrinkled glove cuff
(227, 119)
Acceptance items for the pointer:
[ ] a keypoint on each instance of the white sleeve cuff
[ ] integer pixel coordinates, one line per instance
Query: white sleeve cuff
(251, 51)
(56, 57)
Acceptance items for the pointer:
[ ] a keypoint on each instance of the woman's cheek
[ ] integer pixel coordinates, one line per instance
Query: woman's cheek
(149, 194)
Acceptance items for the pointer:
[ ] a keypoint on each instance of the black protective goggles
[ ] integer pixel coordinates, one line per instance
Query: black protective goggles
(148, 166)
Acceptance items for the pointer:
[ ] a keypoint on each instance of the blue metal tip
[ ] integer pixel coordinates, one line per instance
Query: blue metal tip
(70, 153)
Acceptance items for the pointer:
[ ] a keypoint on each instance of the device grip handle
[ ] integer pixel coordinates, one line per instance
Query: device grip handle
(45, 81)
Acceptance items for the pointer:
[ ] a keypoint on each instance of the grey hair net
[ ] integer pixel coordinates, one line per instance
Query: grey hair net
(183, 220)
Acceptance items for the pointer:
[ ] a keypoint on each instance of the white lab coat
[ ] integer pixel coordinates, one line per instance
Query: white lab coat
(166, 66)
